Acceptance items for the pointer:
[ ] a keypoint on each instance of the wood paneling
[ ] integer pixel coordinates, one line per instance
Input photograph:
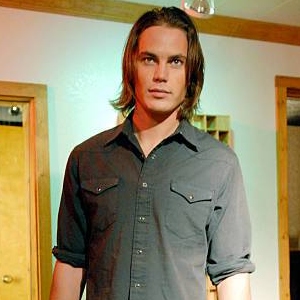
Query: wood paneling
(127, 12)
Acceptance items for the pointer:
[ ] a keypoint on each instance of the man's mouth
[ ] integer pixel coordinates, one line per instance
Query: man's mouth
(158, 92)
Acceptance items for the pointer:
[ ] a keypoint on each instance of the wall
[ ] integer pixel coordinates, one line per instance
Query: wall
(79, 60)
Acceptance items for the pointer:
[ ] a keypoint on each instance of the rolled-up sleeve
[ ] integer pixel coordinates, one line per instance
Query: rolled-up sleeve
(71, 233)
(229, 231)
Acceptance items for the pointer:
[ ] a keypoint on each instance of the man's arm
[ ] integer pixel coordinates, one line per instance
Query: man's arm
(67, 282)
(236, 287)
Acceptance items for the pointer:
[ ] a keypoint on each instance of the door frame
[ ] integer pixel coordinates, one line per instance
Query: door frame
(285, 87)
(40, 210)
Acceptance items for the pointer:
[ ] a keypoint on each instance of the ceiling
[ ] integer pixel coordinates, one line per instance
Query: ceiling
(271, 11)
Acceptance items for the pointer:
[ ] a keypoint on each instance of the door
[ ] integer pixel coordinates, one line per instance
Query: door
(25, 233)
(14, 202)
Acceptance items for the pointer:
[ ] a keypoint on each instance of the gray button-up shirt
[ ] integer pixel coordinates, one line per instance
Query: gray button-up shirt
(150, 228)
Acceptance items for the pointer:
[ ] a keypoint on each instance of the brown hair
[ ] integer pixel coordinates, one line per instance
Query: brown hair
(172, 17)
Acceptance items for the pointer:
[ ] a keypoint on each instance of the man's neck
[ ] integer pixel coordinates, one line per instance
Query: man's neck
(151, 131)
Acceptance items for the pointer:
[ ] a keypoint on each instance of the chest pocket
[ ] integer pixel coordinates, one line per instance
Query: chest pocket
(188, 209)
(100, 196)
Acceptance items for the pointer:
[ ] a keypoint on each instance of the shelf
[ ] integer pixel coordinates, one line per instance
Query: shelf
(217, 126)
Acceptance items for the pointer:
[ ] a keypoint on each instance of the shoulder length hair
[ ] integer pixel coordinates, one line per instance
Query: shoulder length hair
(175, 18)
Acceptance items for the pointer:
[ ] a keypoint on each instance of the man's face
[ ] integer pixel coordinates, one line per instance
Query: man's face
(160, 82)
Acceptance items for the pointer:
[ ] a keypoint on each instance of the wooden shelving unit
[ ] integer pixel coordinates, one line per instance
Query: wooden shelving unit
(211, 290)
(219, 127)
(216, 125)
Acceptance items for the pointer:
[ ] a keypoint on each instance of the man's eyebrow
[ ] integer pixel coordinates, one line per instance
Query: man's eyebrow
(148, 53)
(181, 56)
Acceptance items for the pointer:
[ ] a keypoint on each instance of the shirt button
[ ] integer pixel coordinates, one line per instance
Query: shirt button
(139, 251)
(153, 156)
(137, 285)
(191, 197)
(142, 219)
(145, 184)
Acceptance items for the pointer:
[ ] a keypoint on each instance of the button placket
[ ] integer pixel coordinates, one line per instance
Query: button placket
(141, 230)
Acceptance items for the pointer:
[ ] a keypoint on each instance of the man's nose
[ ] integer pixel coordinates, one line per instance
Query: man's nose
(161, 72)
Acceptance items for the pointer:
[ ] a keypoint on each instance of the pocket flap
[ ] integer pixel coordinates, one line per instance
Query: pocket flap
(191, 193)
(99, 185)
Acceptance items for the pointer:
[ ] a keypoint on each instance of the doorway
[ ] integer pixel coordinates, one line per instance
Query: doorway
(25, 239)
(286, 87)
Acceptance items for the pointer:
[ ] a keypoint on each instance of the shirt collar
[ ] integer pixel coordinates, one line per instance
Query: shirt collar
(184, 132)
(124, 129)
(187, 132)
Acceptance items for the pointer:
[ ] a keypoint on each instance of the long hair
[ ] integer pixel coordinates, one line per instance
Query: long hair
(175, 18)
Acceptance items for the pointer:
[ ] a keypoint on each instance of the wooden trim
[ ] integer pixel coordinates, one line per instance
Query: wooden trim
(287, 82)
(282, 84)
(36, 96)
(127, 12)
(283, 226)
(250, 29)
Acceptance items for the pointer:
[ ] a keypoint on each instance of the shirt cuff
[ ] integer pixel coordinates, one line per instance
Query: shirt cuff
(221, 271)
(73, 259)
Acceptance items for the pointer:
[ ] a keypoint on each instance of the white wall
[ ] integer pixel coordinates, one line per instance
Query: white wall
(80, 61)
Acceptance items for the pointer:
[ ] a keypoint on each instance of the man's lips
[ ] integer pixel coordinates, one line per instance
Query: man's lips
(159, 92)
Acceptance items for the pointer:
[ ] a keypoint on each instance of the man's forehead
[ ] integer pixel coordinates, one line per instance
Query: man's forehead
(156, 39)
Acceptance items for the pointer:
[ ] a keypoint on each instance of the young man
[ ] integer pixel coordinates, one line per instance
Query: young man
(152, 205)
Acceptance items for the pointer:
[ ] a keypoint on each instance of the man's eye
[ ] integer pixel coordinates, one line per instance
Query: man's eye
(177, 62)
(148, 60)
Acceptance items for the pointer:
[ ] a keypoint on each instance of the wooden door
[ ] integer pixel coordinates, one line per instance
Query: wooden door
(25, 233)
(15, 242)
